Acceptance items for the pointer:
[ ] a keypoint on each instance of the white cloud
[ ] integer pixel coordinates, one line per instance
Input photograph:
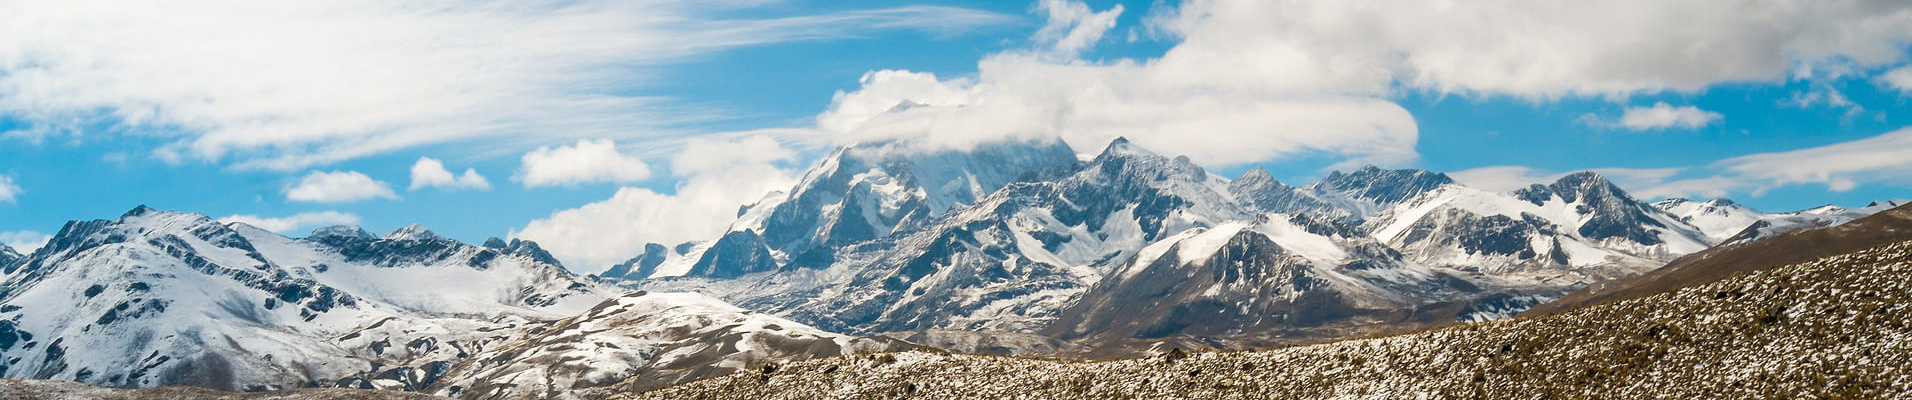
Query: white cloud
(589, 161)
(1533, 49)
(295, 223)
(1841, 166)
(1898, 79)
(338, 187)
(1254, 80)
(9, 192)
(1073, 27)
(717, 178)
(290, 84)
(1663, 116)
(24, 242)
(1021, 96)
(429, 172)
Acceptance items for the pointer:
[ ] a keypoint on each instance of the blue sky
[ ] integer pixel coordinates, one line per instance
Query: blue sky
(231, 127)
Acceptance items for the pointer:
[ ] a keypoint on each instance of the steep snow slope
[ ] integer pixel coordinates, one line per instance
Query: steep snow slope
(1817, 217)
(868, 191)
(1370, 190)
(641, 341)
(1578, 230)
(1718, 218)
(8, 255)
(1373, 249)
(1009, 262)
(1278, 280)
(160, 298)
(1727, 222)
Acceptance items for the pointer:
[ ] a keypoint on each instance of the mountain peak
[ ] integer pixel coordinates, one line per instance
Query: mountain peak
(413, 232)
(141, 210)
(1583, 178)
(1583, 185)
(1257, 174)
(340, 231)
(1121, 146)
(7, 254)
(1379, 187)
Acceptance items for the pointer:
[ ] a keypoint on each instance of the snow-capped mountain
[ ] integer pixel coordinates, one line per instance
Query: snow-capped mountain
(1260, 191)
(1718, 218)
(1579, 229)
(642, 341)
(856, 194)
(161, 298)
(1258, 283)
(1009, 262)
(1370, 190)
(1069, 254)
(8, 255)
(1726, 222)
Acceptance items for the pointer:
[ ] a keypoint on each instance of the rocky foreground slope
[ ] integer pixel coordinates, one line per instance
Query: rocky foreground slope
(1837, 327)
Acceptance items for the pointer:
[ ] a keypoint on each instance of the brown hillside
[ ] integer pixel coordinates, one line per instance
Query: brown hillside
(1712, 265)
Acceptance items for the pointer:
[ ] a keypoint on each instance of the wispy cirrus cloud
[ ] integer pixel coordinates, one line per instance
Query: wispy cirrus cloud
(291, 84)
(1840, 166)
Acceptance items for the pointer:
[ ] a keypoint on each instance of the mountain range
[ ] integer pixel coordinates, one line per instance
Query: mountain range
(1127, 250)
(1022, 247)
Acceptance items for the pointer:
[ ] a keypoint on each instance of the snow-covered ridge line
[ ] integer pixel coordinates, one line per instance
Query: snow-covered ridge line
(1020, 257)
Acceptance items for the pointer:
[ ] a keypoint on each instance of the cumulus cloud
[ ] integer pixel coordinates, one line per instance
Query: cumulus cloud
(1899, 79)
(1532, 49)
(1019, 96)
(290, 84)
(1256, 80)
(1662, 116)
(9, 191)
(296, 222)
(717, 177)
(588, 161)
(1073, 27)
(1658, 116)
(429, 172)
(24, 242)
(338, 187)
(1840, 166)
